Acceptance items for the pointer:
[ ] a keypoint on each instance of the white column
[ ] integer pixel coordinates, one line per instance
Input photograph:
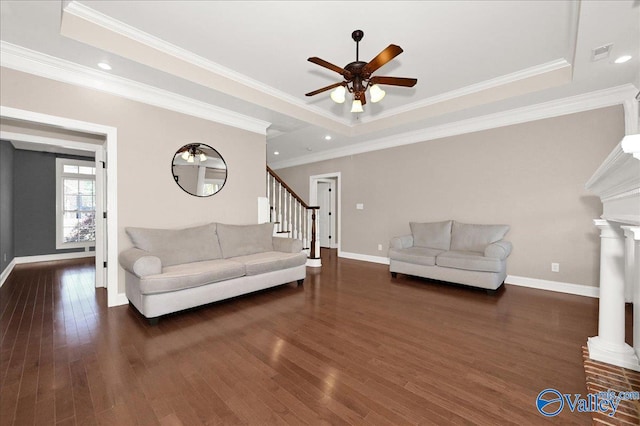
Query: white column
(632, 276)
(609, 345)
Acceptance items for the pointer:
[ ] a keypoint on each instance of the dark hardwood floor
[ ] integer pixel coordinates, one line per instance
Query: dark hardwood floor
(351, 346)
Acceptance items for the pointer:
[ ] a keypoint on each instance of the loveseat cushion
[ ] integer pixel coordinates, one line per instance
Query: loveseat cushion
(416, 255)
(471, 261)
(177, 246)
(241, 240)
(260, 263)
(468, 237)
(435, 235)
(188, 275)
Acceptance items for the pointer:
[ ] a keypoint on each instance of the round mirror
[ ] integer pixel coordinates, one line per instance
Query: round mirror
(199, 169)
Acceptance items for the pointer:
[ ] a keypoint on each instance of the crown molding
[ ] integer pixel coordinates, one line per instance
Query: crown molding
(36, 63)
(475, 88)
(570, 105)
(84, 12)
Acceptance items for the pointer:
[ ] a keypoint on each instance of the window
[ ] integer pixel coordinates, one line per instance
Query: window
(75, 203)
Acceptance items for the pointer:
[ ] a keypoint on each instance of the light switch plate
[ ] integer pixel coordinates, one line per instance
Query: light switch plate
(360, 206)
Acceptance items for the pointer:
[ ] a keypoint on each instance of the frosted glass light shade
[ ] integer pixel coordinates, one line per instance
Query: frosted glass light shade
(203, 157)
(376, 93)
(338, 94)
(185, 155)
(356, 106)
(190, 159)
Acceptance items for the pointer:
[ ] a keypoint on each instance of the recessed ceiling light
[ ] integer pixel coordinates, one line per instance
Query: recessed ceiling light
(105, 66)
(327, 138)
(276, 153)
(622, 59)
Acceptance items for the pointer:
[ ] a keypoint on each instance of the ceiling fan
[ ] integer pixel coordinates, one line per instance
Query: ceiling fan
(358, 78)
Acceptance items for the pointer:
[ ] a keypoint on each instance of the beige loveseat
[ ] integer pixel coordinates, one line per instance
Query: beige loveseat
(169, 270)
(474, 255)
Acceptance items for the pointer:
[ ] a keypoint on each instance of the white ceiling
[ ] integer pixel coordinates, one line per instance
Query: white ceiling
(470, 58)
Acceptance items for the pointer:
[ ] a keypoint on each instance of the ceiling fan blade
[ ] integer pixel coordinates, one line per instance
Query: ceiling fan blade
(330, 66)
(324, 89)
(394, 81)
(383, 57)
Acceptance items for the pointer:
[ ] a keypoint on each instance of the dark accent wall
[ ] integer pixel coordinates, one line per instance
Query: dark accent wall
(6, 204)
(34, 203)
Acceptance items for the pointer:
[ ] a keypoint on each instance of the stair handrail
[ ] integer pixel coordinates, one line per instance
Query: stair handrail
(291, 191)
(313, 209)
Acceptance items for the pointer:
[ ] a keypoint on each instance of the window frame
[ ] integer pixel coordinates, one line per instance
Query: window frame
(60, 163)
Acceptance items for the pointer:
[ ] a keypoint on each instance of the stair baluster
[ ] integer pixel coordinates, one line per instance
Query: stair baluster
(294, 216)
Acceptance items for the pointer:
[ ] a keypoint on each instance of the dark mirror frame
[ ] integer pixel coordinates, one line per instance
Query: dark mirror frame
(186, 168)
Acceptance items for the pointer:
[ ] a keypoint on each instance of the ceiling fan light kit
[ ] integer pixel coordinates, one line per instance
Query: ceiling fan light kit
(358, 78)
(191, 152)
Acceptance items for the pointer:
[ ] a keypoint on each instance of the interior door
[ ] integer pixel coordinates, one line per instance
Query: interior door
(101, 223)
(326, 214)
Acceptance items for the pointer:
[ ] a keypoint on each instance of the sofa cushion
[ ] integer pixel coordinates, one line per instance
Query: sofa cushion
(176, 246)
(470, 261)
(466, 237)
(260, 263)
(188, 275)
(417, 255)
(436, 235)
(241, 240)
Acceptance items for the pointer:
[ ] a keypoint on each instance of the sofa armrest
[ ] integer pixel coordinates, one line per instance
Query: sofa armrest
(287, 245)
(403, 241)
(140, 262)
(498, 250)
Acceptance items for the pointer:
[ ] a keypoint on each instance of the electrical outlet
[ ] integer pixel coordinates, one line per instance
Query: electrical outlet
(379, 247)
(555, 267)
(359, 206)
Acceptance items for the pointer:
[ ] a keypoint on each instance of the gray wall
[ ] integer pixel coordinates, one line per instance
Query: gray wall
(34, 203)
(530, 176)
(6, 204)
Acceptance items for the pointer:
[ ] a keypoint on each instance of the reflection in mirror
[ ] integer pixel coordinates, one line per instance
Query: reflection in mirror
(199, 169)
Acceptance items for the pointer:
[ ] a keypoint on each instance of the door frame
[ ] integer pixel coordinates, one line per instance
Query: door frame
(104, 152)
(313, 200)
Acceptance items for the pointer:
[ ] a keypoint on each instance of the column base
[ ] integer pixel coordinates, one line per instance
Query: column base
(314, 263)
(621, 355)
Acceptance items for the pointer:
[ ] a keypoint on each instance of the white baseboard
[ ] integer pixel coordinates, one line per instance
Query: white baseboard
(50, 257)
(41, 258)
(119, 300)
(364, 257)
(560, 287)
(557, 286)
(7, 271)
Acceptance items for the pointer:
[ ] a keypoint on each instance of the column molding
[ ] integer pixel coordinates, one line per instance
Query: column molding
(609, 345)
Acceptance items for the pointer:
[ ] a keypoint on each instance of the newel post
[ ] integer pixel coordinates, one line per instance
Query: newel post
(313, 233)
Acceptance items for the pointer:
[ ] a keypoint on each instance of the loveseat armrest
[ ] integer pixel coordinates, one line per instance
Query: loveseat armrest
(287, 245)
(140, 262)
(403, 241)
(498, 250)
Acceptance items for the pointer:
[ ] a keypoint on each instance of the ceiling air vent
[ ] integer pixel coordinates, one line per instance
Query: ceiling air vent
(601, 52)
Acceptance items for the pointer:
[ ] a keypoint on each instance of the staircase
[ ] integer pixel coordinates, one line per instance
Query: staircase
(292, 216)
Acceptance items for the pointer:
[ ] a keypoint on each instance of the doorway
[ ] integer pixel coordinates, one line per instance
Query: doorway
(106, 201)
(325, 192)
(326, 212)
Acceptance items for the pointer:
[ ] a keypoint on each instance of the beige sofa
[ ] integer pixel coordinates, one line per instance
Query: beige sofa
(169, 270)
(473, 255)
